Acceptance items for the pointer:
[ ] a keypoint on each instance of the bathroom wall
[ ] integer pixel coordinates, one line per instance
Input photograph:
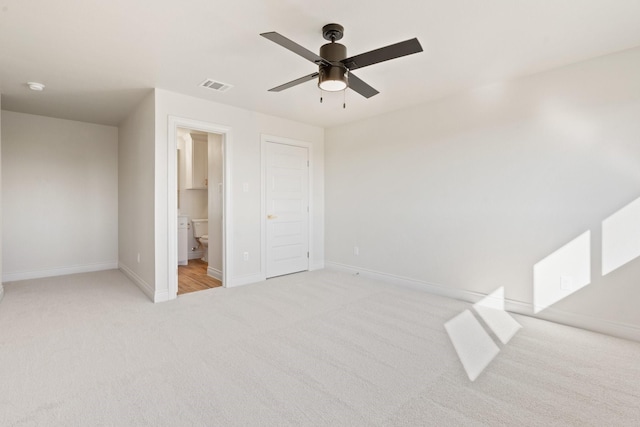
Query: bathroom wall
(60, 196)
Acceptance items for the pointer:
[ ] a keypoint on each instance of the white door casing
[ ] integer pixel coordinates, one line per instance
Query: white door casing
(287, 208)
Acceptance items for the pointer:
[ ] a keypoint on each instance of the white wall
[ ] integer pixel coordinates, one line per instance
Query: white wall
(136, 182)
(60, 196)
(467, 194)
(244, 148)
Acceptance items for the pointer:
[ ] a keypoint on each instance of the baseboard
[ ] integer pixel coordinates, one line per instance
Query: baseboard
(244, 280)
(61, 271)
(145, 287)
(616, 329)
(318, 265)
(196, 255)
(162, 296)
(552, 314)
(215, 273)
(258, 277)
(433, 288)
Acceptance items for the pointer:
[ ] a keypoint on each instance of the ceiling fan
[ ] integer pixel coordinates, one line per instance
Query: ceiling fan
(334, 67)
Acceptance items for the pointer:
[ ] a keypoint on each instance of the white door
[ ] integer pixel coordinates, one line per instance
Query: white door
(287, 202)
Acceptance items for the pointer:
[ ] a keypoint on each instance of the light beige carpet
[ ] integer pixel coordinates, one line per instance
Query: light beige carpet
(319, 348)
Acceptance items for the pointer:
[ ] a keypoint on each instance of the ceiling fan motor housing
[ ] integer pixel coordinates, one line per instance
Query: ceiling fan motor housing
(334, 53)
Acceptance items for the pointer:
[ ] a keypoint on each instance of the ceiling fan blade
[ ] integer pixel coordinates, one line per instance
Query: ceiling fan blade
(386, 53)
(294, 82)
(294, 47)
(361, 87)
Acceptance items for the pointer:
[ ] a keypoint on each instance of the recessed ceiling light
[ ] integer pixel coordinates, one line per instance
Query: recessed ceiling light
(36, 86)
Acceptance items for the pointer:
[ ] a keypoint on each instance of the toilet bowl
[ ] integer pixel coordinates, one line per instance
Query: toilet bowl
(201, 234)
(204, 241)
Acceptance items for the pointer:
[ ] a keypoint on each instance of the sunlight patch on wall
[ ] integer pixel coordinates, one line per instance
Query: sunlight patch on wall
(562, 273)
(473, 344)
(491, 310)
(621, 237)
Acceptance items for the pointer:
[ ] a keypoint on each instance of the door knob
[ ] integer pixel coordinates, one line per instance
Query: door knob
(272, 216)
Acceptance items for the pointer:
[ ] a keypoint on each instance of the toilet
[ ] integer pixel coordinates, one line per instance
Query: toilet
(201, 233)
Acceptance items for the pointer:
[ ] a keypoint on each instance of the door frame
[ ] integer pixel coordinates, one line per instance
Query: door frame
(264, 140)
(172, 196)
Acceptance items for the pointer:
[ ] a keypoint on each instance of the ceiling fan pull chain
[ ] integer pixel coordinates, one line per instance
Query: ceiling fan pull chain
(344, 92)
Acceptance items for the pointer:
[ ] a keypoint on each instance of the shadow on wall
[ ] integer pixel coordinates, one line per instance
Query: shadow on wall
(555, 277)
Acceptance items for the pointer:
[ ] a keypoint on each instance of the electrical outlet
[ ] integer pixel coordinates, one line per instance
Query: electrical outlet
(246, 256)
(356, 250)
(566, 283)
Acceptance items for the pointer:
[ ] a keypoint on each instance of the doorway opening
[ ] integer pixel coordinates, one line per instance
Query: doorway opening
(198, 206)
(200, 183)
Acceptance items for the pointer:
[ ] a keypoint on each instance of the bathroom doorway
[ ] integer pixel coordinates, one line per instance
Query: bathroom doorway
(199, 190)
(200, 183)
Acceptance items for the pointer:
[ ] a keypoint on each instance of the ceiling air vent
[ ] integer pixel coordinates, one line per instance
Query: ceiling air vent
(215, 85)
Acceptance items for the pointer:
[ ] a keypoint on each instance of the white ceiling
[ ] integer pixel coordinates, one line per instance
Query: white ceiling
(99, 58)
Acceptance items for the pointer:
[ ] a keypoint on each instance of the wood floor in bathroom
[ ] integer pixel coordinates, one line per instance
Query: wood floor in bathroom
(193, 277)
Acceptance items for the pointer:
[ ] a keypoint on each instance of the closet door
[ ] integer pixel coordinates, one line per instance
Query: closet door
(287, 202)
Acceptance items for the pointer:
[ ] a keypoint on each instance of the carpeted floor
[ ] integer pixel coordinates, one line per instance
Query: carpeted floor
(319, 348)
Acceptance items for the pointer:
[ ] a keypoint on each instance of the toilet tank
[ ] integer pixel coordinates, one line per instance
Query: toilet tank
(200, 227)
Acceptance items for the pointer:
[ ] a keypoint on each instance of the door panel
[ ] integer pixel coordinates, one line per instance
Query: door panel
(287, 202)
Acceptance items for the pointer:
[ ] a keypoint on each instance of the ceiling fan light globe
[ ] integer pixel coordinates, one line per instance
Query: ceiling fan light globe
(333, 85)
(332, 79)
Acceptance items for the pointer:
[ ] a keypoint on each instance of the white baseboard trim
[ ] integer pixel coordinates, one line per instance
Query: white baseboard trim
(318, 265)
(60, 271)
(162, 296)
(441, 290)
(145, 287)
(603, 326)
(244, 280)
(215, 273)
(196, 255)
(581, 321)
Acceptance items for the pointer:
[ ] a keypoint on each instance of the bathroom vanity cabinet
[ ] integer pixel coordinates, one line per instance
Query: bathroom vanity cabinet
(196, 156)
(183, 240)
